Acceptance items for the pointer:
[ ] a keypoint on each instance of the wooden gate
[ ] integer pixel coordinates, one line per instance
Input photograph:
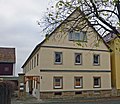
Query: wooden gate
(5, 93)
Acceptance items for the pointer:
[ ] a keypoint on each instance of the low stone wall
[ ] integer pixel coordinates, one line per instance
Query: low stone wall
(85, 94)
(118, 92)
(115, 92)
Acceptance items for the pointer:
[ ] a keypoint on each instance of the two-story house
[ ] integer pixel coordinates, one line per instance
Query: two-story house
(68, 63)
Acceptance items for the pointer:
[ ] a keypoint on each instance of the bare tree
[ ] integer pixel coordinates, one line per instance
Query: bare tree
(103, 15)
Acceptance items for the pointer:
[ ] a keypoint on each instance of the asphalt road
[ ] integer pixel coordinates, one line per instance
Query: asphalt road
(31, 100)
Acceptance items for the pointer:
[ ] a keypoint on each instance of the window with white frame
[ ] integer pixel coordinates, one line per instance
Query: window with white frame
(78, 82)
(96, 59)
(96, 82)
(78, 58)
(58, 57)
(58, 82)
(77, 36)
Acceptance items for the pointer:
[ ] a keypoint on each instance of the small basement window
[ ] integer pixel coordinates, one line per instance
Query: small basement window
(78, 92)
(96, 92)
(58, 93)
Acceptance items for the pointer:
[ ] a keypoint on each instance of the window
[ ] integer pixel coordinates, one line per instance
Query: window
(32, 63)
(58, 82)
(97, 82)
(58, 93)
(28, 66)
(58, 57)
(37, 59)
(96, 92)
(78, 58)
(78, 36)
(96, 59)
(78, 82)
(78, 92)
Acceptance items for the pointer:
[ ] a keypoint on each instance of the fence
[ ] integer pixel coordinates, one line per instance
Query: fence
(5, 93)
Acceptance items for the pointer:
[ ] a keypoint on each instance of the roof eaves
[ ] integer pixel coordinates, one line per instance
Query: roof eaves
(32, 53)
(45, 39)
(94, 29)
(39, 45)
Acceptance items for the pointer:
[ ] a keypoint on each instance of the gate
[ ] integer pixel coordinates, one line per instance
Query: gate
(5, 93)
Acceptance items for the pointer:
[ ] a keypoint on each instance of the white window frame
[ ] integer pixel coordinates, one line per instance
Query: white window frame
(99, 82)
(96, 64)
(80, 63)
(61, 82)
(81, 82)
(61, 55)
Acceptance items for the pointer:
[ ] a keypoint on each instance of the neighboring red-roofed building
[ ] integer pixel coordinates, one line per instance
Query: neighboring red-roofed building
(7, 65)
(7, 61)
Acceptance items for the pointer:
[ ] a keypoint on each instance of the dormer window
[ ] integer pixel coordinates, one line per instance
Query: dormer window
(77, 36)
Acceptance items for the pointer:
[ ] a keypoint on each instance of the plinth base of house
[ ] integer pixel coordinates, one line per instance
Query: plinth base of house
(72, 94)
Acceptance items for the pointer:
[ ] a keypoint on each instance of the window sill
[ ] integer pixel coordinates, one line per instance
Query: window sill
(58, 63)
(78, 63)
(96, 87)
(57, 87)
(78, 41)
(78, 87)
(96, 64)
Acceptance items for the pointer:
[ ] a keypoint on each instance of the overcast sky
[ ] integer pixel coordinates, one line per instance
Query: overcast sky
(18, 26)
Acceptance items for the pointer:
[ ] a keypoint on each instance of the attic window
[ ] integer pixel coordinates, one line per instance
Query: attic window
(77, 36)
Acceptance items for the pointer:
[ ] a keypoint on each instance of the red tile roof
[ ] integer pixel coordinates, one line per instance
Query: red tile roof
(7, 55)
